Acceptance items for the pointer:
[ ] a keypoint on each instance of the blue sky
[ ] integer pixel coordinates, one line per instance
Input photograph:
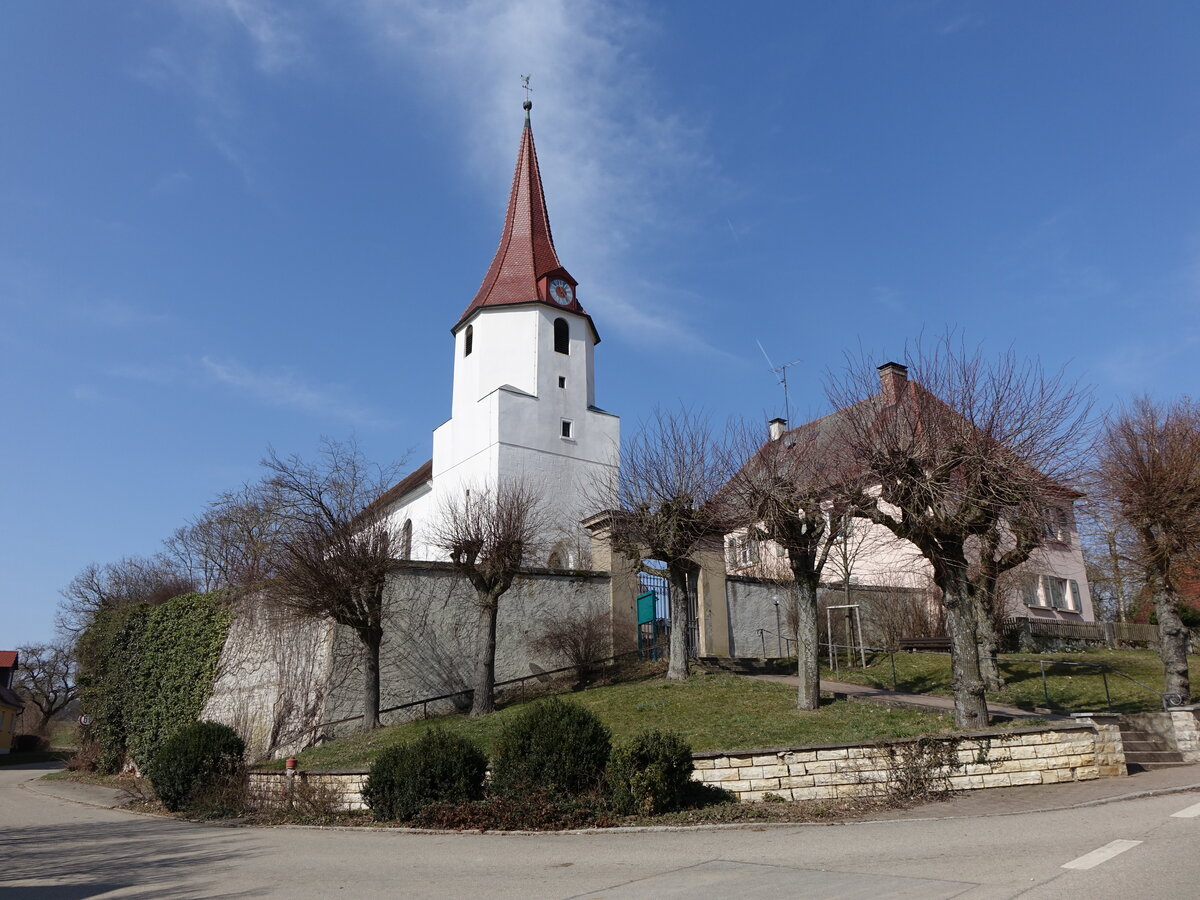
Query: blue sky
(235, 224)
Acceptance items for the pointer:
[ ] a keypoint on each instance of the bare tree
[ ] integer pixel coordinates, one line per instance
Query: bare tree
(1110, 554)
(664, 498)
(1150, 465)
(334, 547)
(45, 677)
(132, 579)
(229, 545)
(790, 492)
(490, 533)
(971, 451)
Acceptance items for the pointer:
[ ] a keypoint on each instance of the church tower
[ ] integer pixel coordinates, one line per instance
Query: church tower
(523, 397)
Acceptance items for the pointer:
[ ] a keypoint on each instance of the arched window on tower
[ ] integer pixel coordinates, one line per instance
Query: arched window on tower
(468, 340)
(406, 540)
(562, 336)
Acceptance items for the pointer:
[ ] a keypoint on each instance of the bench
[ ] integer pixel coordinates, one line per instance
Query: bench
(933, 645)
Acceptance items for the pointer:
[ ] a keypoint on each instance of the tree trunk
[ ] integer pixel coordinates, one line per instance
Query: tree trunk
(677, 668)
(1173, 646)
(484, 699)
(970, 705)
(988, 641)
(371, 641)
(808, 646)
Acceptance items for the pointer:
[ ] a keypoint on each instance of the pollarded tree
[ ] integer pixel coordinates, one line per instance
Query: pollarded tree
(791, 492)
(1149, 463)
(490, 533)
(334, 546)
(962, 462)
(665, 506)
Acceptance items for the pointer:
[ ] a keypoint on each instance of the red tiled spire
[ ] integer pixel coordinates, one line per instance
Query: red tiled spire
(525, 261)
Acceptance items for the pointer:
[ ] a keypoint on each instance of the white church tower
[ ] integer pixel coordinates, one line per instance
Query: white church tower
(523, 401)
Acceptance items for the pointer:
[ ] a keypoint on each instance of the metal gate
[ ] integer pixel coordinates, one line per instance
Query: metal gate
(654, 632)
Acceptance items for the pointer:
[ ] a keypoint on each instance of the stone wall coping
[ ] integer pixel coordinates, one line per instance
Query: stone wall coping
(439, 566)
(1183, 708)
(283, 772)
(960, 735)
(1095, 715)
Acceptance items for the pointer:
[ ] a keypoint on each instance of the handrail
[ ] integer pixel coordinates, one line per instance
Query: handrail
(425, 701)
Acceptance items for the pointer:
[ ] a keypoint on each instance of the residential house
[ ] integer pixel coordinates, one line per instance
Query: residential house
(10, 703)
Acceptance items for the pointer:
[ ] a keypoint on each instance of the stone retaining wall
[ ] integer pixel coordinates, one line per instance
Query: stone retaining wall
(344, 789)
(960, 762)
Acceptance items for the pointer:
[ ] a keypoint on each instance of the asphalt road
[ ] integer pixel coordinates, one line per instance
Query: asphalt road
(55, 848)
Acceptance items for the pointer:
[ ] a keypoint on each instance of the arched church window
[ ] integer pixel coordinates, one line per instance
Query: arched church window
(406, 540)
(562, 336)
(468, 340)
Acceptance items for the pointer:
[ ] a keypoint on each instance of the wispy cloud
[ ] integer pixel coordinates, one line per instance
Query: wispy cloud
(286, 388)
(203, 66)
(614, 164)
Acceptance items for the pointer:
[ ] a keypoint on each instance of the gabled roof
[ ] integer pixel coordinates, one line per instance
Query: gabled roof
(8, 659)
(526, 257)
(419, 476)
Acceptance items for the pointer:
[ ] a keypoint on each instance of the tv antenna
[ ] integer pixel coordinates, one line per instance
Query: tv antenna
(780, 373)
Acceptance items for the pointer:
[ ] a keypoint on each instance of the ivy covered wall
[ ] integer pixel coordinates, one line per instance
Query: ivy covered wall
(147, 671)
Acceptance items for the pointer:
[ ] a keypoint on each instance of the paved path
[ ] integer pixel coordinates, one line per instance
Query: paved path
(901, 698)
(53, 848)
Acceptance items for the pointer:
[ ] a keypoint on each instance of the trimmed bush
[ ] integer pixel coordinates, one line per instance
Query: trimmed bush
(554, 746)
(196, 764)
(438, 767)
(650, 774)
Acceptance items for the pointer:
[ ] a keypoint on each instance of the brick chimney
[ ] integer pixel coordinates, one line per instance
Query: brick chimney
(892, 378)
(776, 428)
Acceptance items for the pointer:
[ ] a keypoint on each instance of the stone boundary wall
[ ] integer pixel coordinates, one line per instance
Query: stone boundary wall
(977, 760)
(270, 790)
(1074, 752)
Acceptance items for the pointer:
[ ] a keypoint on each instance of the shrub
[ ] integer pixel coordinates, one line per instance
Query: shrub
(197, 764)
(438, 767)
(553, 745)
(650, 774)
(579, 639)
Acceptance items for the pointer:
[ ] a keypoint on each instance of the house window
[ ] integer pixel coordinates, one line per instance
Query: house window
(746, 552)
(1056, 593)
(1056, 524)
(562, 381)
(468, 340)
(567, 429)
(562, 336)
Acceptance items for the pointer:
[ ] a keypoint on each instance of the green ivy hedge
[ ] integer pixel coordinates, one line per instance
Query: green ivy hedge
(147, 673)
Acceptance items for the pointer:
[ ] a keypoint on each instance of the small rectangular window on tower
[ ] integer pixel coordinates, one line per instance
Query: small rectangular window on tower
(562, 381)
(567, 430)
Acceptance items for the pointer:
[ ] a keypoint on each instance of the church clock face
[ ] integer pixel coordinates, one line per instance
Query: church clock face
(561, 293)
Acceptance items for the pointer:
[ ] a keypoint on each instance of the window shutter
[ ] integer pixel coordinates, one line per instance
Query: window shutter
(1029, 591)
(1076, 604)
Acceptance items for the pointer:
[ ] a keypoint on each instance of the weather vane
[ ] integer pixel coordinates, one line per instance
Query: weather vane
(528, 104)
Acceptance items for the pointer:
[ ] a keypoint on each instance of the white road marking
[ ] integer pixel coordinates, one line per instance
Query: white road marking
(1100, 854)
(1190, 813)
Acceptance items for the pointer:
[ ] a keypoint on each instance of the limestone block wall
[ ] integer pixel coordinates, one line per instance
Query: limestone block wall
(961, 762)
(276, 790)
(1110, 750)
(972, 761)
(1186, 725)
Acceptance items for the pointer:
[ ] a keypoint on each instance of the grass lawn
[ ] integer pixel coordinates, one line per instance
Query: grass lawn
(711, 712)
(1071, 688)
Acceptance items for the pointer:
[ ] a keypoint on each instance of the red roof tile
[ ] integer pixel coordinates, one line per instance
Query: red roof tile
(8, 659)
(526, 259)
